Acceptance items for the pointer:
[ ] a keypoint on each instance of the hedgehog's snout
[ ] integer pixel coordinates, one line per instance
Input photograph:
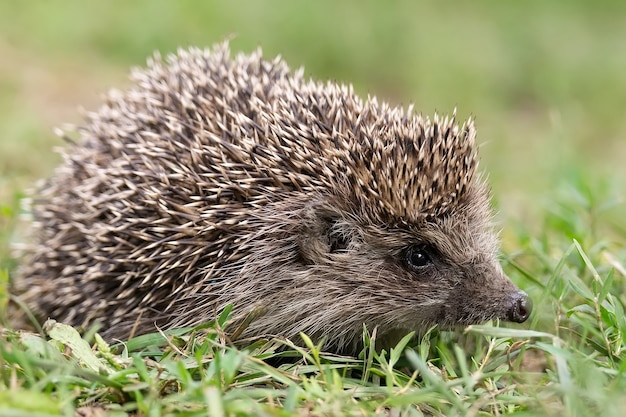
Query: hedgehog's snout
(520, 307)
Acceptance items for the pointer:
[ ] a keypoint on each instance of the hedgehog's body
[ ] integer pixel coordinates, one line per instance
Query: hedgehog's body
(219, 181)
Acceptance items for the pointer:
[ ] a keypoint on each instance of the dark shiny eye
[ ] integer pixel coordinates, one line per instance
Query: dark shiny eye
(417, 257)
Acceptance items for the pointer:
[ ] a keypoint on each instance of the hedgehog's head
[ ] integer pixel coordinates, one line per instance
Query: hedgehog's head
(406, 234)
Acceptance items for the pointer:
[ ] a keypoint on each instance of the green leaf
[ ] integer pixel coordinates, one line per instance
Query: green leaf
(80, 349)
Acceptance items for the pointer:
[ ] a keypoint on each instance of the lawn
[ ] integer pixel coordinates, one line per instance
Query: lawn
(545, 82)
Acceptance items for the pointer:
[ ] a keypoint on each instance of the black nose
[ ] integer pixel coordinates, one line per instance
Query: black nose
(520, 308)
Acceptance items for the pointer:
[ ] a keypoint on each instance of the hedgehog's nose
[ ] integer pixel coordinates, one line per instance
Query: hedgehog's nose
(520, 308)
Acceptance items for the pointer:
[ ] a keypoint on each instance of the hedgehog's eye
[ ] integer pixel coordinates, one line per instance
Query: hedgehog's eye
(417, 257)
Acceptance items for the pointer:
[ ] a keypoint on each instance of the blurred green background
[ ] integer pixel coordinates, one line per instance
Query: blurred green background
(546, 80)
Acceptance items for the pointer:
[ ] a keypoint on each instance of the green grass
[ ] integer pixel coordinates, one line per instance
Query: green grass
(545, 82)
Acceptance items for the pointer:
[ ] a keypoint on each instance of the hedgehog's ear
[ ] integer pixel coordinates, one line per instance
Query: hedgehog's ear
(338, 238)
(324, 233)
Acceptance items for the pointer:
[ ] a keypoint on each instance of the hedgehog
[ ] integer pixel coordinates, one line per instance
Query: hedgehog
(218, 181)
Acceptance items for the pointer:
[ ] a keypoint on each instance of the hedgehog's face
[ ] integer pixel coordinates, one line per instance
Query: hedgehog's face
(441, 271)
(455, 259)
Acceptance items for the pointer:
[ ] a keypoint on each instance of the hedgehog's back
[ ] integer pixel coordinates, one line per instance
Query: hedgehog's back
(158, 189)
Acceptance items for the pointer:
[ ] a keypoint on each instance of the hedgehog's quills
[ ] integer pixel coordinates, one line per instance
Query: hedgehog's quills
(215, 181)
